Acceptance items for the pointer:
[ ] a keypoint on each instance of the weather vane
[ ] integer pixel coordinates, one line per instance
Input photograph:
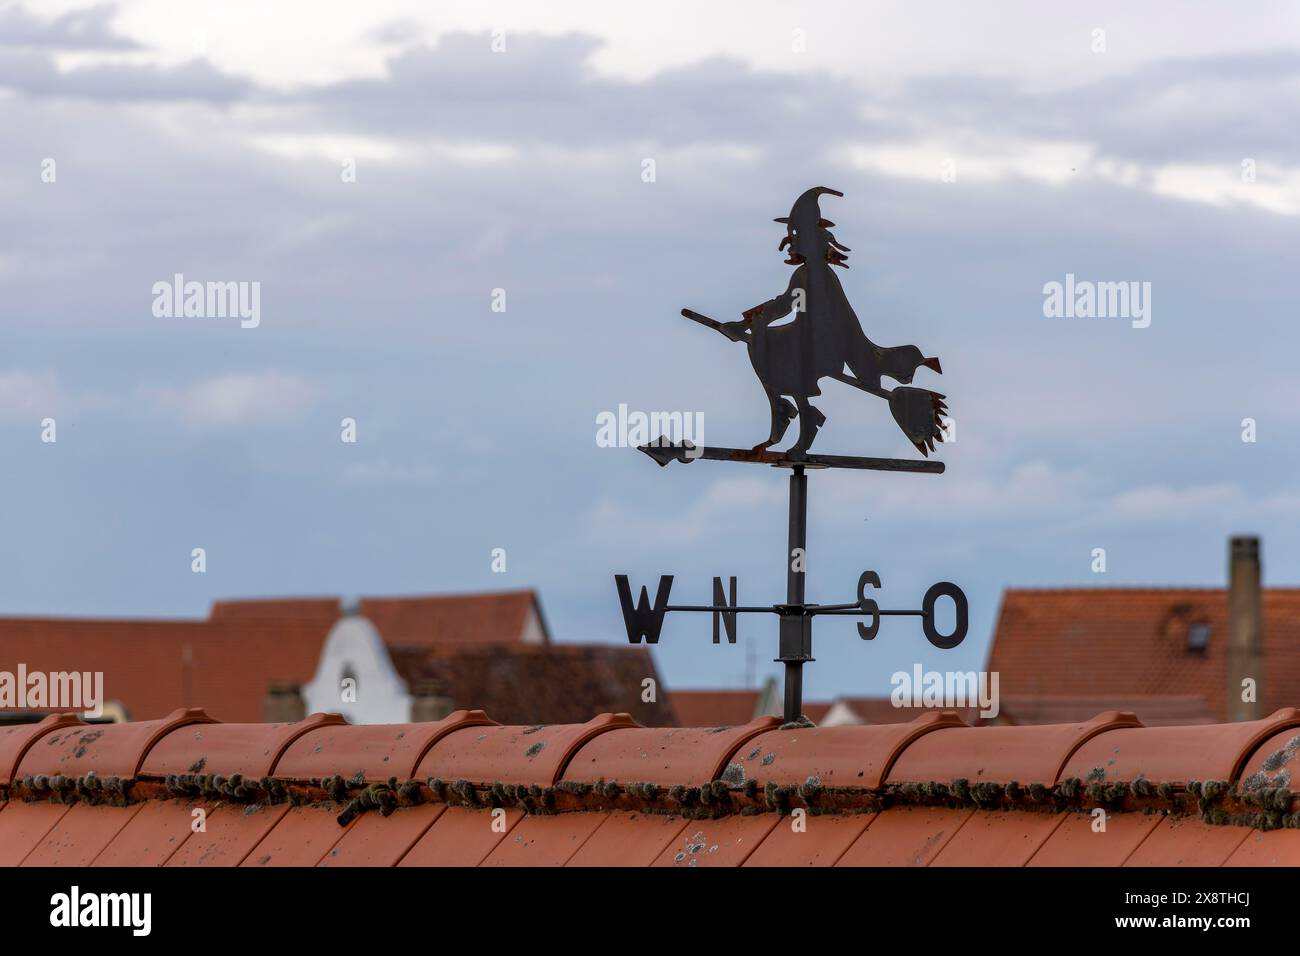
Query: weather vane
(823, 338)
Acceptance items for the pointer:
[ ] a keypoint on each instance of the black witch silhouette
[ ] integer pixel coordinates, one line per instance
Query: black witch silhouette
(823, 339)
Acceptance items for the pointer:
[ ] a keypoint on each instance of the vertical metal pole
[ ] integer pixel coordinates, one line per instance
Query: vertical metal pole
(796, 638)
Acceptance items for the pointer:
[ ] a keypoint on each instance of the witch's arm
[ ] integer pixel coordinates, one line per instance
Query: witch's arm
(781, 306)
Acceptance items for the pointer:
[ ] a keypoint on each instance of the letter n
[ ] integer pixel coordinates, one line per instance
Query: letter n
(728, 618)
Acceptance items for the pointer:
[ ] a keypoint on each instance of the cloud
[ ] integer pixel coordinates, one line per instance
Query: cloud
(978, 159)
(1161, 502)
(27, 397)
(1275, 188)
(544, 91)
(80, 54)
(236, 399)
(1029, 488)
(89, 29)
(36, 73)
(522, 171)
(701, 520)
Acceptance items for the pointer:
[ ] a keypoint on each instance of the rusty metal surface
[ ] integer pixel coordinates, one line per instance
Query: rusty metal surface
(686, 452)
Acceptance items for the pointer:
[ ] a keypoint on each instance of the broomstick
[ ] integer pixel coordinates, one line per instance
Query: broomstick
(917, 411)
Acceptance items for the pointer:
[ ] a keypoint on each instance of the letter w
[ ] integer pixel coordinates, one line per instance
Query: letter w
(643, 622)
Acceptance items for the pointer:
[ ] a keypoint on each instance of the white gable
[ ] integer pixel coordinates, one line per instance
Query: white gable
(840, 715)
(353, 649)
(533, 633)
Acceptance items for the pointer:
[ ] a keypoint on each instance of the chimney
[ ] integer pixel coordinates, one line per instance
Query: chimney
(427, 702)
(283, 702)
(1245, 627)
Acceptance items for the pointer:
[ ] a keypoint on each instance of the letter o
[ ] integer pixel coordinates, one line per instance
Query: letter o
(944, 588)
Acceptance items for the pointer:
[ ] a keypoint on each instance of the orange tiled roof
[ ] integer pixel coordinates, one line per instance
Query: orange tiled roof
(931, 792)
(152, 665)
(882, 710)
(543, 683)
(229, 660)
(1157, 710)
(493, 617)
(816, 711)
(1132, 641)
(712, 708)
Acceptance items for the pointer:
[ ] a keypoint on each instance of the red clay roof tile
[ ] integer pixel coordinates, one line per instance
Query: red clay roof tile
(302, 837)
(726, 841)
(151, 836)
(836, 756)
(883, 710)
(17, 739)
(994, 838)
(462, 837)
(80, 834)
(228, 660)
(822, 842)
(714, 708)
(1273, 763)
(1157, 710)
(1187, 841)
(115, 750)
(151, 666)
(1133, 641)
(1267, 848)
(999, 754)
(856, 769)
(494, 617)
(544, 840)
(1077, 843)
(904, 836)
(230, 833)
(248, 749)
(528, 755)
(628, 838)
(23, 826)
(1176, 754)
(540, 683)
(376, 751)
(686, 756)
(374, 840)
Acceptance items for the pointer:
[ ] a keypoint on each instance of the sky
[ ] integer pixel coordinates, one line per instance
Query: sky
(382, 170)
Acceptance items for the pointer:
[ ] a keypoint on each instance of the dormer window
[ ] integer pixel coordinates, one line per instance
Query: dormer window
(1198, 637)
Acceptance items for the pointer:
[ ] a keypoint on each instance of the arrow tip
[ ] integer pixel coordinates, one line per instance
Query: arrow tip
(663, 452)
